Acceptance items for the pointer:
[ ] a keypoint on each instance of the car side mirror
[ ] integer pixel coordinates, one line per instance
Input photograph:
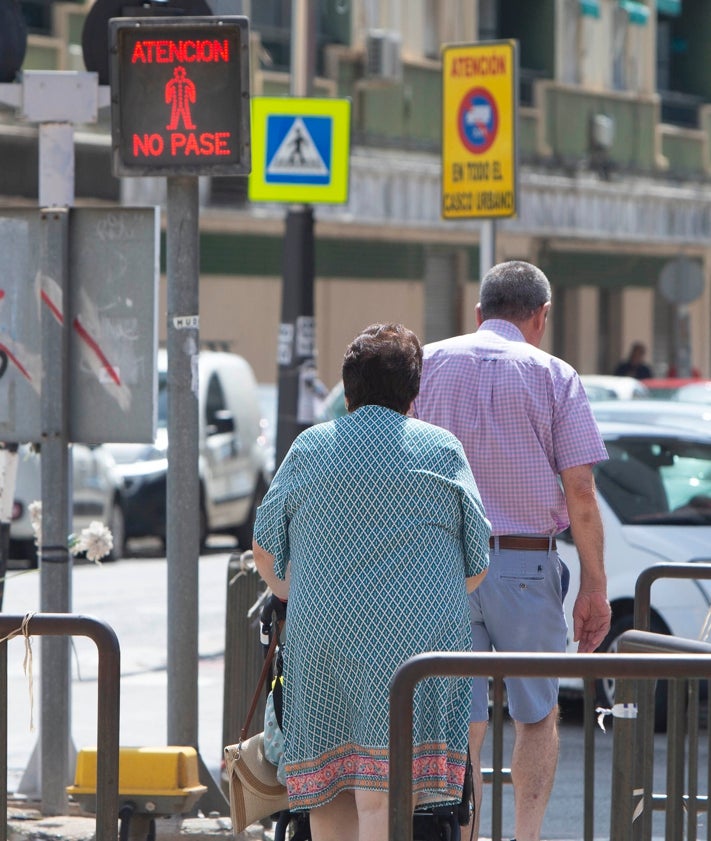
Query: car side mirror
(223, 422)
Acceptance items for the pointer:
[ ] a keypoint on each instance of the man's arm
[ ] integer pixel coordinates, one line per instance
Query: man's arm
(591, 612)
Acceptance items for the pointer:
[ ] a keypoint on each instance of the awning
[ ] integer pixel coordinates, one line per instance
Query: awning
(637, 12)
(590, 7)
(669, 7)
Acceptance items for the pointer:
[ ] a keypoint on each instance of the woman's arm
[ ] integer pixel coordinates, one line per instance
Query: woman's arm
(265, 567)
(474, 581)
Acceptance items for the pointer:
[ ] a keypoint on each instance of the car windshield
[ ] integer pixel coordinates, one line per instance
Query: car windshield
(660, 481)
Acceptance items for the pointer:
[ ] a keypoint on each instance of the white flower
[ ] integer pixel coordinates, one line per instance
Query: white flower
(35, 512)
(96, 540)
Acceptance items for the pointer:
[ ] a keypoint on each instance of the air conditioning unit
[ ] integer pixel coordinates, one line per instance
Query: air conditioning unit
(382, 55)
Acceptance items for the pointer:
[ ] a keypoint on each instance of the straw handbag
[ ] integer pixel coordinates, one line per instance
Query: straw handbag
(255, 792)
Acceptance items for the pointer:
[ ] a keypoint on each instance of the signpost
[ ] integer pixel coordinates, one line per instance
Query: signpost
(180, 108)
(681, 281)
(181, 101)
(301, 153)
(480, 136)
(479, 142)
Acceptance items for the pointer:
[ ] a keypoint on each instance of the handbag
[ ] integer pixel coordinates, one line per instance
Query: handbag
(255, 792)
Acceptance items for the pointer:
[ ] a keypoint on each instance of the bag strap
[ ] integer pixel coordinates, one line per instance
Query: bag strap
(260, 683)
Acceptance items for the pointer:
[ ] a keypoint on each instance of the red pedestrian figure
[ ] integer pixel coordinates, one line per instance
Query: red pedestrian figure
(180, 91)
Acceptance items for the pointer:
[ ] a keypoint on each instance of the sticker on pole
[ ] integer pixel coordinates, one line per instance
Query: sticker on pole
(300, 150)
(180, 96)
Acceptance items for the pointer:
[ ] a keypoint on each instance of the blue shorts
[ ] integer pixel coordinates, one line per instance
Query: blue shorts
(519, 607)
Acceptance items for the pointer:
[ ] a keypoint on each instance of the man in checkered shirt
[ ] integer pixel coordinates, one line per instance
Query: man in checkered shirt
(529, 434)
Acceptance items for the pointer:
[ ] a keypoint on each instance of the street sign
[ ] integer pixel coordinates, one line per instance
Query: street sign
(180, 96)
(479, 130)
(111, 313)
(681, 280)
(301, 150)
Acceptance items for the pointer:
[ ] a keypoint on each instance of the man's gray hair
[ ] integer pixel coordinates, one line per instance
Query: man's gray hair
(513, 291)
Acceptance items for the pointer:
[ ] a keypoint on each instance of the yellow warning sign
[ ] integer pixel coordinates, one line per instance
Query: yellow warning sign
(479, 130)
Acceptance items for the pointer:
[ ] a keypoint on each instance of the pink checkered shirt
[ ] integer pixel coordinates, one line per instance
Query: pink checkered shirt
(522, 416)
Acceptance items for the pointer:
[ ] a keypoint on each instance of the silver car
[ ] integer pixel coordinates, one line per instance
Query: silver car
(96, 495)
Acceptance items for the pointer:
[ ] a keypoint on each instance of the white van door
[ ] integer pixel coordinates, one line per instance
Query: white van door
(227, 469)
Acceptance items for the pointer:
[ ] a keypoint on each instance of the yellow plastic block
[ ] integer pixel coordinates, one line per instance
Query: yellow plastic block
(165, 778)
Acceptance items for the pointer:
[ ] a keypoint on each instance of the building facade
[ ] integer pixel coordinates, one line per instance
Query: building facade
(614, 130)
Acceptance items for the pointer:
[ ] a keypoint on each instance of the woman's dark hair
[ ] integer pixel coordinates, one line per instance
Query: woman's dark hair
(382, 366)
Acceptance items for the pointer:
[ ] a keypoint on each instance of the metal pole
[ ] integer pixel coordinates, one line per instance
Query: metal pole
(487, 246)
(55, 560)
(183, 483)
(297, 367)
(8, 475)
(183, 492)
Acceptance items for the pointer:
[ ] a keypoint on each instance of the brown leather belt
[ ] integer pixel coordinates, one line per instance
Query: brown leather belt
(512, 541)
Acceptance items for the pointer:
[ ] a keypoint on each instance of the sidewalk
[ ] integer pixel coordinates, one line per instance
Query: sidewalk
(25, 823)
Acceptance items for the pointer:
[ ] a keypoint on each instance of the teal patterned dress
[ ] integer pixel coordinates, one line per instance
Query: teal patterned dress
(380, 520)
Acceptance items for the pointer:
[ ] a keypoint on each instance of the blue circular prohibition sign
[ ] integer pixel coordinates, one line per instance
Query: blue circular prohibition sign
(478, 120)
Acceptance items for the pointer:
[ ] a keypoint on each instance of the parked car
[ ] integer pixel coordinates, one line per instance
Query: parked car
(233, 457)
(671, 413)
(655, 500)
(675, 388)
(96, 489)
(604, 387)
(268, 397)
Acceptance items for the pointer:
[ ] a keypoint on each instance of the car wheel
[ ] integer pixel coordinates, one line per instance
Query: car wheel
(245, 532)
(117, 525)
(25, 550)
(605, 687)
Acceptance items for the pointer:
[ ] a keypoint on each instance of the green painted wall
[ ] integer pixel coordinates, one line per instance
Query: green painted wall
(606, 271)
(685, 154)
(568, 113)
(262, 256)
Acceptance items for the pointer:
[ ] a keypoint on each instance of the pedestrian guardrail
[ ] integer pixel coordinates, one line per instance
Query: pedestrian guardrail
(109, 676)
(633, 754)
(685, 662)
(632, 797)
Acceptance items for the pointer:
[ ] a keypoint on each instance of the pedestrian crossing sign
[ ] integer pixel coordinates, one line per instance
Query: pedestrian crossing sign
(300, 150)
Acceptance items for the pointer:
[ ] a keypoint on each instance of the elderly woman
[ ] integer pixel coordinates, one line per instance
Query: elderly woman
(374, 530)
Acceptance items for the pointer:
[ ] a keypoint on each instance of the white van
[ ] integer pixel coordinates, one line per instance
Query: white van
(233, 459)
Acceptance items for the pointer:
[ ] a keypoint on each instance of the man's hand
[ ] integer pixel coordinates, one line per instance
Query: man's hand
(591, 620)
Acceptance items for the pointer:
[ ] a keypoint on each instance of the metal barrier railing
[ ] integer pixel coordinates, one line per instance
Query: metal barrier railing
(497, 666)
(632, 804)
(109, 676)
(643, 587)
(637, 759)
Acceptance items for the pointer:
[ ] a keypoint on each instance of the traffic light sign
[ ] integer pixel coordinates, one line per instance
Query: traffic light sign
(180, 96)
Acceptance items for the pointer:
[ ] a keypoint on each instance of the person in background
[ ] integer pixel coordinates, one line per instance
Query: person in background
(531, 439)
(634, 365)
(374, 530)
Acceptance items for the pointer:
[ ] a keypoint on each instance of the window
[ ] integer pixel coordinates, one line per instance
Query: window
(215, 400)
